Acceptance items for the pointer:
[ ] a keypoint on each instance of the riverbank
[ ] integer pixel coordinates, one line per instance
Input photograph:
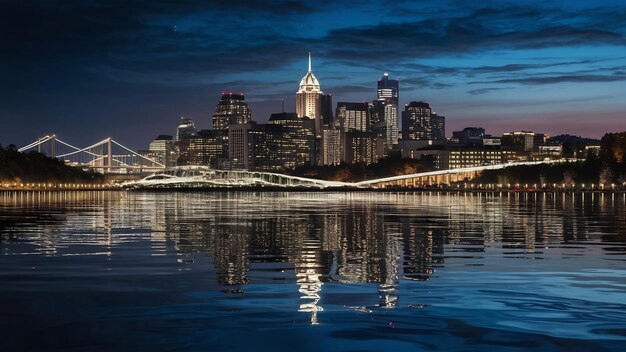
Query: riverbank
(265, 189)
(57, 187)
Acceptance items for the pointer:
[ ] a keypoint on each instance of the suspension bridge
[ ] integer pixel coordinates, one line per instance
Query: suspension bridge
(107, 155)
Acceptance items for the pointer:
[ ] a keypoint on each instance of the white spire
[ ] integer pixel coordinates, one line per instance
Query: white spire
(309, 83)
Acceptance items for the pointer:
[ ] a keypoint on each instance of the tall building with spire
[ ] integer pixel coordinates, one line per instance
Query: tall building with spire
(308, 99)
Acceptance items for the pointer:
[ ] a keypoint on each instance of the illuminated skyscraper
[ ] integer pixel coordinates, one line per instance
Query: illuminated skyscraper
(420, 123)
(232, 109)
(186, 128)
(387, 96)
(308, 99)
(353, 116)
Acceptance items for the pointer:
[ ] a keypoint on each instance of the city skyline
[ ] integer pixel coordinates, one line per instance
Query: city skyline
(142, 67)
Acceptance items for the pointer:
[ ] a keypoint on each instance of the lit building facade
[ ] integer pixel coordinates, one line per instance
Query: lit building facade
(162, 150)
(207, 147)
(522, 141)
(353, 116)
(331, 146)
(232, 109)
(298, 139)
(308, 99)
(387, 97)
(363, 147)
(240, 148)
(416, 121)
(419, 122)
(286, 142)
(186, 128)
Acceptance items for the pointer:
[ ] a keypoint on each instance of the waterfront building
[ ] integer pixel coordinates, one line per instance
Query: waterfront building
(207, 147)
(240, 147)
(308, 99)
(331, 146)
(185, 129)
(232, 109)
(162, 150)
(286, 142)
(522, 141)
(471, 157)
(298, 139)
(363, 147)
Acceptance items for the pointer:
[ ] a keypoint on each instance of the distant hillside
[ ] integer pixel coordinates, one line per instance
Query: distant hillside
(573, 140)
(37, 167)
(390, 166)
(608, 167)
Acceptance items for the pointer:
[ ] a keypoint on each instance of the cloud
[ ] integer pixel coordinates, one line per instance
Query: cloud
(564, 79)
(483, 90)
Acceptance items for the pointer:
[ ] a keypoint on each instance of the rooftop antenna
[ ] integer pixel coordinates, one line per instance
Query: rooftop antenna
(309, 61)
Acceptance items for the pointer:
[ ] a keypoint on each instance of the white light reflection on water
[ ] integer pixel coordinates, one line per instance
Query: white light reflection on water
(371, 271)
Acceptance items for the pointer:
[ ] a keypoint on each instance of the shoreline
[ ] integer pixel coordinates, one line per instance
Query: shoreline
(445, 190)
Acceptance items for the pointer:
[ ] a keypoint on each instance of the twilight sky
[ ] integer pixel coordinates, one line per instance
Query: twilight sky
(130, 68)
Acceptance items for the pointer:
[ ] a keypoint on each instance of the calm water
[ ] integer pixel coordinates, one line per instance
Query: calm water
(312, 272)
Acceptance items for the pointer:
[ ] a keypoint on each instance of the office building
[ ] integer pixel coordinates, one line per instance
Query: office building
(331, 146)
(387, 97)
(298, 139)
(162, 150)
(363, 147)
(232, 109)
(416, 121)
(206, 148)
(419, 122)
(326, 103)
(353, 116)
(185, 129)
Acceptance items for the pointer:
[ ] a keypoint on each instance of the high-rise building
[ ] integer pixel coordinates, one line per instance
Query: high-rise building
(286, 142)
(353, 116)
(387, 95)
(331, 146)
(419, 122)
(362, 147)
(438, 124)
(308, 99)
(207, 147)
(240, 148)
(326, 103)
(520, 141)
(162, 149)
(416, 121)
(186, 128)
(232, 109)
(298, 139)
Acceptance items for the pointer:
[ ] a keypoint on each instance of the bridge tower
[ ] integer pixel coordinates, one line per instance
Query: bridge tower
(109, 154)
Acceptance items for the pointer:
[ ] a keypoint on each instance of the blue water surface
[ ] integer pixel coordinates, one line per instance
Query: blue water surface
(235, 271)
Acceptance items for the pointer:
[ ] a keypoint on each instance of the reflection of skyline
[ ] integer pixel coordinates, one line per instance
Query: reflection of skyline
(365, 238)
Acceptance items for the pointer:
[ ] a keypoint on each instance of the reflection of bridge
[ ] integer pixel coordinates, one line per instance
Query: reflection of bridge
(106, 155)
(201, 176)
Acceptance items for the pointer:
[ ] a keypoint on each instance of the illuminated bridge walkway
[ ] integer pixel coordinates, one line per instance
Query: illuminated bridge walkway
(200, 176)
(106, 155)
